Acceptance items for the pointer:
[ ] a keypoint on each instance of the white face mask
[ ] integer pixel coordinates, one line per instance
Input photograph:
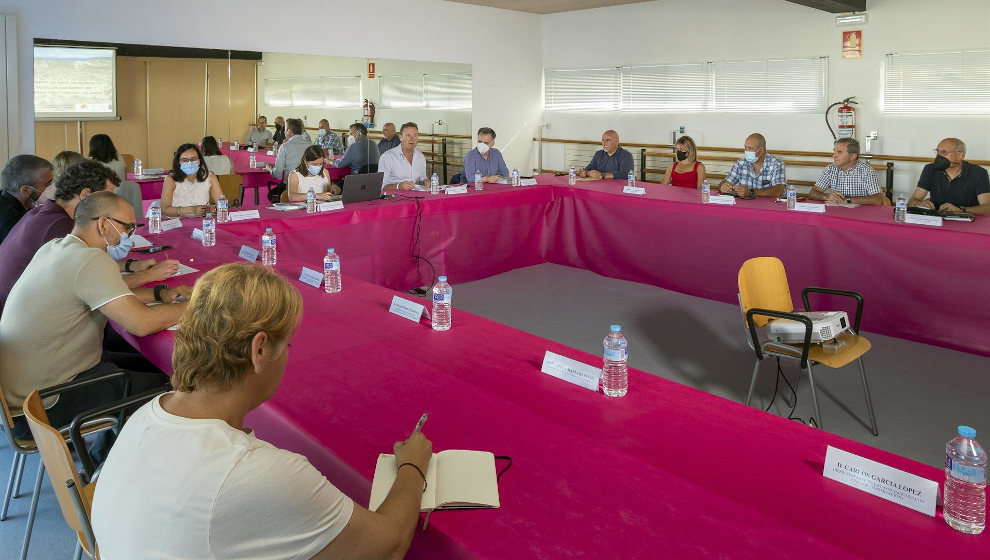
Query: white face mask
(482, 148)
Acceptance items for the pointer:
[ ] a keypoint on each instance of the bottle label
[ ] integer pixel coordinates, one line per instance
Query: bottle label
(616, 355)
(330, 266)
(268, 243)
(441, 298)
(965, 473)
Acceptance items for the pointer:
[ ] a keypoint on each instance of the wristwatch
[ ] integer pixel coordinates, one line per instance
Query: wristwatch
(127, 265)
(849, 200)
(158, 292)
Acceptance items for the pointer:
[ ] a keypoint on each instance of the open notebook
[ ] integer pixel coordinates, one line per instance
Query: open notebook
(457, 479)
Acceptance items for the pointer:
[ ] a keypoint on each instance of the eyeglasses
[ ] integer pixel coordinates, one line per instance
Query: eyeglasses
(128, 226)
(945, 153)
(188, 160)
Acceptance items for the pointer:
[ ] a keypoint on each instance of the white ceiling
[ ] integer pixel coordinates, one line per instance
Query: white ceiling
(547, 6)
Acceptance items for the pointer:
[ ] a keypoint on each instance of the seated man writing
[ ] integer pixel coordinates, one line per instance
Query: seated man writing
(848, 179)
(955, 184)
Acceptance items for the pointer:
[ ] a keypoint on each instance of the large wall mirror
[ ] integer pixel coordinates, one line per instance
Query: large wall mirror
(162, 97)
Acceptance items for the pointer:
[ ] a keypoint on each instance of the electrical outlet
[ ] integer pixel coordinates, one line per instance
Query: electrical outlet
(873, 135)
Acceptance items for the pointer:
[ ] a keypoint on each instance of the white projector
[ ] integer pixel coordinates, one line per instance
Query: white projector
(825, 325)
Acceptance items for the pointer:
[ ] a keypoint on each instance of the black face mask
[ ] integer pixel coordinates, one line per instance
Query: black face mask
(681, 156)
(278, 127)
(941, 163)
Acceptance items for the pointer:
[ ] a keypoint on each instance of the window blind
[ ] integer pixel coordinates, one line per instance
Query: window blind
(313, 91)
(582, 90)
(402, 92)
(955, 82)
(342, 92)
(667, 88)
(278, 92)
(448, 91)
(796, 85)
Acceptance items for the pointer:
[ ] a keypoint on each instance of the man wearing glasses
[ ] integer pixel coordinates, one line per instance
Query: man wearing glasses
(955, 184)
(51, 330)
(24, 178)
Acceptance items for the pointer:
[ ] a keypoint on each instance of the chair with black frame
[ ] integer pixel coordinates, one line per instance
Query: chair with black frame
(765, 296)
(23, 447)
(368, 168)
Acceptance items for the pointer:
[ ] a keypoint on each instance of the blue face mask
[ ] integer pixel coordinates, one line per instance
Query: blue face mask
(119, 251)
(189, 167)
(750, 156)
(322, 133)
(315, 169)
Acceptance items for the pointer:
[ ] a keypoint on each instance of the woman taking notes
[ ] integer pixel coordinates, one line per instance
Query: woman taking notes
(311, 174)
(688, 172)
(191, 186)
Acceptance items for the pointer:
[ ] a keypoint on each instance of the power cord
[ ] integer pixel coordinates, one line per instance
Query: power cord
(790, 414)
(414, 250)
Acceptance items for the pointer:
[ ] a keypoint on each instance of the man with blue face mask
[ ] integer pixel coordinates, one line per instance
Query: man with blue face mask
(329, 140)
(757, 173)
(58, 337)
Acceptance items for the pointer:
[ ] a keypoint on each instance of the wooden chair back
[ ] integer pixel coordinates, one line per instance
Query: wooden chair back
(763, 285)
(232, 187)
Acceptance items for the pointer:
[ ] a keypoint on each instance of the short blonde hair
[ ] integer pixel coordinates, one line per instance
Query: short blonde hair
(692, 148)
(64, 160)
(229, 306)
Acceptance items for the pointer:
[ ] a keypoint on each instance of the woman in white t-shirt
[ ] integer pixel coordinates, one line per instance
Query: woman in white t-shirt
(186, 479)
(191, 186)
(311, 173)
(214, 158)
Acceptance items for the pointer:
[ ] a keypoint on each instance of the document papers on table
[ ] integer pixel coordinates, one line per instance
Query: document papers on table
(456, 479)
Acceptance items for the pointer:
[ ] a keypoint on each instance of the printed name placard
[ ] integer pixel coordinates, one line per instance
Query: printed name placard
(244, 215)
(456, 190)
(197, 234)
(921, 220)
(270, 152)
(723, 199)
(633, 190)
(335, 205)
(886, 482)
(809, 207)
(171, 224)
(250, 149)
(311, 277)
(571, 371)
(527, 182)
(139, 241)
(249, 254)
(405, 308)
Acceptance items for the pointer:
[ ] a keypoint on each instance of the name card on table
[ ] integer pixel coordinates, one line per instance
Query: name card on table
(270, 152)
(171, 224)
(456, 190)
(335, 205)
(139, 241)
(809, 207)
(724, 199)
(250, 149)
(922, 220)
(571, 371)
(407, 309)
(197, 234)
(244, 215)
(249, 254)
(633, 190)
(886, 482)
(527, 182)
(311, 277)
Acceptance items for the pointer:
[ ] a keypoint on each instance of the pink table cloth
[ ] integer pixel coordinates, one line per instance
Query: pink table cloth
(151, 187)
(665, 472)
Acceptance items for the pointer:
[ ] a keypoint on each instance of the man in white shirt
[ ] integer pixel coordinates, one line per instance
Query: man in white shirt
(404, 166)
(260, 134)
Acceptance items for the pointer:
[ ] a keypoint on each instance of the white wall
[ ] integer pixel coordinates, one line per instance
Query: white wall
(707, 30)
(281, 65)
(507, 69)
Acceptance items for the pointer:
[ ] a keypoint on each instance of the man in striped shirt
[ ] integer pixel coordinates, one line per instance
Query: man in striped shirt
(848, 179)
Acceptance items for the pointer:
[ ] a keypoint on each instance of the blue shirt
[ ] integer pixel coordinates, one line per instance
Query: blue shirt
(771, 174)
(330, 141)
(386, 145)
(474, 161)
(358, 155)
(619, 164)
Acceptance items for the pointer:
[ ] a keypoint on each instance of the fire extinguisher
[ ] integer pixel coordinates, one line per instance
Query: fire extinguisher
(847, 119)
(369, 114)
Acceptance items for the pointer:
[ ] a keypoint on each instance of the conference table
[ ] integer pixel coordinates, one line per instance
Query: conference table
(666, 471)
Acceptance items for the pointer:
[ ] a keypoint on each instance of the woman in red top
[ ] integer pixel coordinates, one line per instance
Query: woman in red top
(688, 172)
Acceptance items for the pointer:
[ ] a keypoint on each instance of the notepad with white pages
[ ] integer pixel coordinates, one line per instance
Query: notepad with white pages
(456, 479)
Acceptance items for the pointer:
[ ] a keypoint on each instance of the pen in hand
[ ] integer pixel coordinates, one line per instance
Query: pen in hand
(419, 425)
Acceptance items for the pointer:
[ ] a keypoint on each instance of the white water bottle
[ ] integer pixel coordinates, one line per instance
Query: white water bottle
(155, 218)
(223, 209)
(441, 304)
(220, 141)
(791, 197)
(478, 183)
(434, 183)
(237, 144)
(900, 210)
(615, 372)
(964, 498)
(209, 230)
(252, 161)
(138, 167)
(631, 179)
(269, 255)
(572, 176)
(331, 272)
(515, 176)
(706, 192)
(311, 201)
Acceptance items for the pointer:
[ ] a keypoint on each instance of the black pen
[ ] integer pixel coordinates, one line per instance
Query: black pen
(419, 425)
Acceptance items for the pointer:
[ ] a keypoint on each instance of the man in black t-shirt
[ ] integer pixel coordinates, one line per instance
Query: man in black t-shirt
(955, 184)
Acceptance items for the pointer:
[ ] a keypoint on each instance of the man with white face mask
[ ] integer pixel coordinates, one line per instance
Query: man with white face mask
(68, 292)
(360, 151)
(485, 159)
(329, 140)
(757, 173)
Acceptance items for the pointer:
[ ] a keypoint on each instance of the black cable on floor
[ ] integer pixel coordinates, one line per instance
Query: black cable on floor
(414, 250)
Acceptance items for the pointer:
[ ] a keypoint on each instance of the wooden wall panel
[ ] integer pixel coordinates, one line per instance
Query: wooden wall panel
(217, 114)
(52, 137)
(130, 133)
(243, 81)
(176, 99)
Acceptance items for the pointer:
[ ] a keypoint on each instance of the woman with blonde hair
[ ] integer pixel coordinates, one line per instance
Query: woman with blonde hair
(311, 173)
(186, 479)
(62, 161)
(687, 171)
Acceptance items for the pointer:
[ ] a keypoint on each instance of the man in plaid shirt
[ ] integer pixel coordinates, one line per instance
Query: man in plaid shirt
(848, 179)
(329, 140)
(757, 173)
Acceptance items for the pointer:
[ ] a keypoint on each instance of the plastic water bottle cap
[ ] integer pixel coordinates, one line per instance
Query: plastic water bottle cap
(967, 432)
(329, 250)
(442, 279)
(268, 230)
(615, 328)
(209, 214)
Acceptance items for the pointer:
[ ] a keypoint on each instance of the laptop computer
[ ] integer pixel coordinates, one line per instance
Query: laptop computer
(359, 188)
